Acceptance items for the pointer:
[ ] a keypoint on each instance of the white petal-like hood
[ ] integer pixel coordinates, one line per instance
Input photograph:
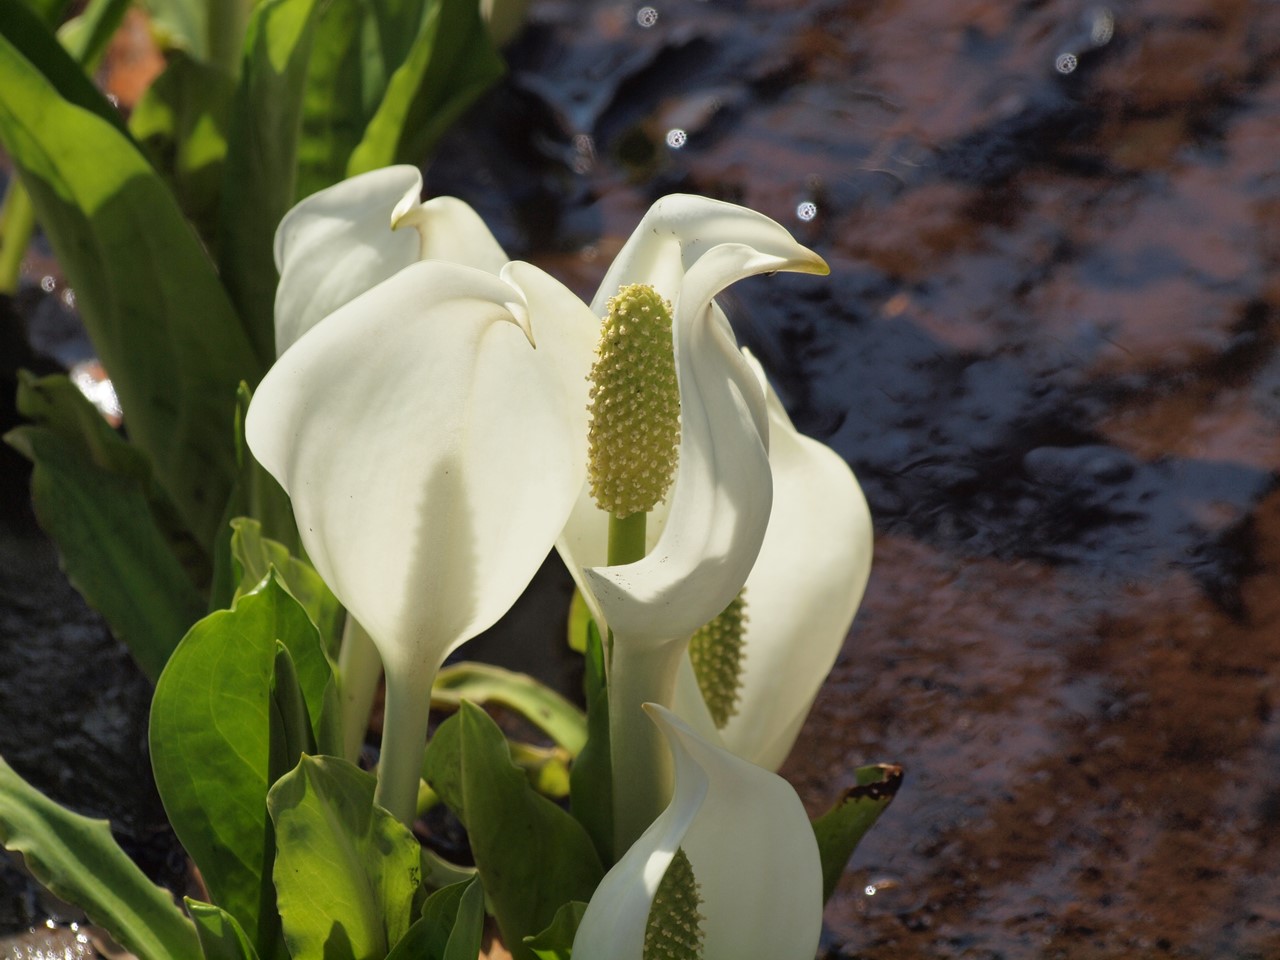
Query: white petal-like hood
(802, 593)
(348, 238)
(753, 855)
(430, 451)
(689, 249)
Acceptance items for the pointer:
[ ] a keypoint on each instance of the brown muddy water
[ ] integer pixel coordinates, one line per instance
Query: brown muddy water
(1050, 348)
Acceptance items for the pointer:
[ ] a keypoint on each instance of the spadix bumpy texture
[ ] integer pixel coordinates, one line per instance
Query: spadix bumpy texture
(716, 651)
(674, 928)
(751, 852)
(635, 404)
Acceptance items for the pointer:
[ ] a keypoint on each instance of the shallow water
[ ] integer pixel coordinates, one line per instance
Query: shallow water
(1048, 346)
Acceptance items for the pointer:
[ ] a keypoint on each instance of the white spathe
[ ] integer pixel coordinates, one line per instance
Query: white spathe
(802, 594)
(430, 451)
(752, 851)
(690, 249)
(348, 238)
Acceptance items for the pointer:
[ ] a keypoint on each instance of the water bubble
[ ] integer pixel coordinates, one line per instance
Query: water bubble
(887, 895)
(676, 138)
(1102, 27)
(807, 210)
(69, 298)
(646, 17)
(48, 284)
(115, 101)
(1065, 63)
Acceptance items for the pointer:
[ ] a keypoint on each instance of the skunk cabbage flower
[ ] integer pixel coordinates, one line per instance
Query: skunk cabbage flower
(732, 864)
(800, 598)
(687, 249)
(348, 238)
(430, 451)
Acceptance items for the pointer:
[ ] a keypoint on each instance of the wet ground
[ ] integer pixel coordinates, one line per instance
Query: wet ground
(1049, 346)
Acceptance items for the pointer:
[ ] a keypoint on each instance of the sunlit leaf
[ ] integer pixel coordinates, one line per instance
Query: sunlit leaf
(210, 738)
(483, 683)
(79, 860)
(556, 942)
(148, 294)
(346, 871)
(258, 187)
(451, 62)
(221, 936)
(531, 855)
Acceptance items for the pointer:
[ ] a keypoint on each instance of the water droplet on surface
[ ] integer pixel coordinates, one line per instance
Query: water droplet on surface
(676, 138)
(48, 284)
(1102, 27)
(646, 17)
(69, 298)
(887, 894)
(807, 210)
(1066, 63)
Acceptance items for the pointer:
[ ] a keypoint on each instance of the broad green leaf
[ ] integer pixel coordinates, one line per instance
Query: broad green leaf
(335, 103)
(346, 871)
(148, 294)
(181, 123)
(451, 926)
(221, 936)
(258, 187)
(86, 36)
(591, 778)
(531, 855)
(79, 860)
(556, 942)
(452, 61)
(840, 828)
(112, 550)
(211, 743)
(255, 554)
(23, 27)
(483, 683)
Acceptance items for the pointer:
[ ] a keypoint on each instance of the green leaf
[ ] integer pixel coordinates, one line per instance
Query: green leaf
(579, 622)
(591, 778)
(183, 24)
(346, 870)
(335, 103)
(79, 860)
(112, 550)
(451, 926)
(482, 683)
(452, 61)
(211, 744)
(181, 123)
(50, 12)
(840, 828)
(556, 942)
(221, 936)
(531, 855)
(86, 36)
(255, 554)
(148, 294)
(258, 189)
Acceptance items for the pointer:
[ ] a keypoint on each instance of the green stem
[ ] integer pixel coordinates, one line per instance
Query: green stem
(359, 668)
(638, 674)
(404, 737)
(228, 21)
(626, 538)
(17, 224)
(642, 775)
